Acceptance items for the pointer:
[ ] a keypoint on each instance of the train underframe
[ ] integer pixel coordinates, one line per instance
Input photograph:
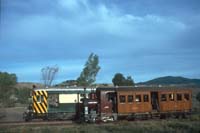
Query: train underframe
(93, 117)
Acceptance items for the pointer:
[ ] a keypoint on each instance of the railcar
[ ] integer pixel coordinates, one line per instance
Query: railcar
(140, 102)
(54, 103)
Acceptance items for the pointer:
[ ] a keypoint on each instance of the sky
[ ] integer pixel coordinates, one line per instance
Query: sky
(144, 39)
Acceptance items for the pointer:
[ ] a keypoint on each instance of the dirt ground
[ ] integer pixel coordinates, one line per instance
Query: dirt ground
(12, 114)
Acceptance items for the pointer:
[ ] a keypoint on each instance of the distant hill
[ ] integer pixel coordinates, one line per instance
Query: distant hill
(28, 85)
(172, 81)
(67, 83)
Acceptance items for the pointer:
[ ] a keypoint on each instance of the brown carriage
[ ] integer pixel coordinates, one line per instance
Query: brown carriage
(144, 101)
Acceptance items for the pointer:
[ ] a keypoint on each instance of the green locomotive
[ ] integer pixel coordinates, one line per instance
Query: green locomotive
(55, 103)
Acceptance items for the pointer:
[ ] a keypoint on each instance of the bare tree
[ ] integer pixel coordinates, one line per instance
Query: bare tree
(48, 74)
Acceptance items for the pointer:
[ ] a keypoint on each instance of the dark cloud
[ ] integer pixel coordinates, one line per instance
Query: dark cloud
(145, 39)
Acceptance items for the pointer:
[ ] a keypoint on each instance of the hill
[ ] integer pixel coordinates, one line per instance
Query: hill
(28, 85)
(172, 81)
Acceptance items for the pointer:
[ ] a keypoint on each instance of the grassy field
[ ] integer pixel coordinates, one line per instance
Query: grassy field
(190, 125)
(12, 114)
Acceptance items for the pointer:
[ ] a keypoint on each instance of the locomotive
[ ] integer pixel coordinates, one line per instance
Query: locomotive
(109, 103)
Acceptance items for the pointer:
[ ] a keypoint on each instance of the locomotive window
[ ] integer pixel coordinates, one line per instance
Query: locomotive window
(42, 98)
(138, 98)
(38, 98)
(179, 97)
(122, 99)
(146, 98)
(186, 97)
(171, 97)
(163, 97)
(53, 100)
(130, 98)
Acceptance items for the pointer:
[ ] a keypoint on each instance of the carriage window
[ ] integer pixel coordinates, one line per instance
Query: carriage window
(130, 98)
(138, 98)
(122, 99)
(163, 97)
(186, 97)
(171, 97)
(146, 98)
(179, 97)
(38, 98)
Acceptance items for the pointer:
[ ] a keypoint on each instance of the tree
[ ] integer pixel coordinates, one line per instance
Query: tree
(120, 80)
(48, 74)
(7, 83)
(129, 81)
(89, 72)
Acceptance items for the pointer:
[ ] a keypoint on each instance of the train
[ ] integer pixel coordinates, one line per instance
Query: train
(108, 103)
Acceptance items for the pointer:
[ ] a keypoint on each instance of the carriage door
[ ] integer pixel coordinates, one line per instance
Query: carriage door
(154, 101)
(112, 99)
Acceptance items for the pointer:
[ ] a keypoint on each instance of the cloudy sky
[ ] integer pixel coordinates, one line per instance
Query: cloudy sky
(141, 38)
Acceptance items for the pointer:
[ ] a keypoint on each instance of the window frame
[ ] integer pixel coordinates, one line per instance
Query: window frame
(163, 99)
(41, 98)
(130, 100)
(38, 98)
(140, 98)
(172, 95)
(145, 100)
(122, 101)
(186, 98)
(177, 97)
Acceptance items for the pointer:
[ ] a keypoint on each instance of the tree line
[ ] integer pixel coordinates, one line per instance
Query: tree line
(87, 78)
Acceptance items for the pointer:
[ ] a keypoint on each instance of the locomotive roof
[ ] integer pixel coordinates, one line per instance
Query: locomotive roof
(63, 89)
(132, 88)
(117, 88)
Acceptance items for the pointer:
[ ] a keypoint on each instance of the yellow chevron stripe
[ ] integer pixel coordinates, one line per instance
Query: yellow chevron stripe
(45, 93)
(40, 107)
(45, 108)
(35, 107)
(40, 92)
(38, 104)
(35, 104)
(45, 100)
(36, 92)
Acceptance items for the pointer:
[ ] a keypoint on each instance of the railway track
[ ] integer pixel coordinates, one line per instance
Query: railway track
(68, 123)
(36, 123)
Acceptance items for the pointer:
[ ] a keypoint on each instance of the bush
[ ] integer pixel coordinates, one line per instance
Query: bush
(7, 83)
(22, 95)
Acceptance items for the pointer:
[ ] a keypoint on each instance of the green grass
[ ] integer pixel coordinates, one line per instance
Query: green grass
(191, 125)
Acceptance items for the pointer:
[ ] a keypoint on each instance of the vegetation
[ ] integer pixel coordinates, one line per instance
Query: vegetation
(149, 126)
(170, 80)
(48, 75)
(67, 83)
(120, 80)
(22, 95)
(7, 83)
(89, 73)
